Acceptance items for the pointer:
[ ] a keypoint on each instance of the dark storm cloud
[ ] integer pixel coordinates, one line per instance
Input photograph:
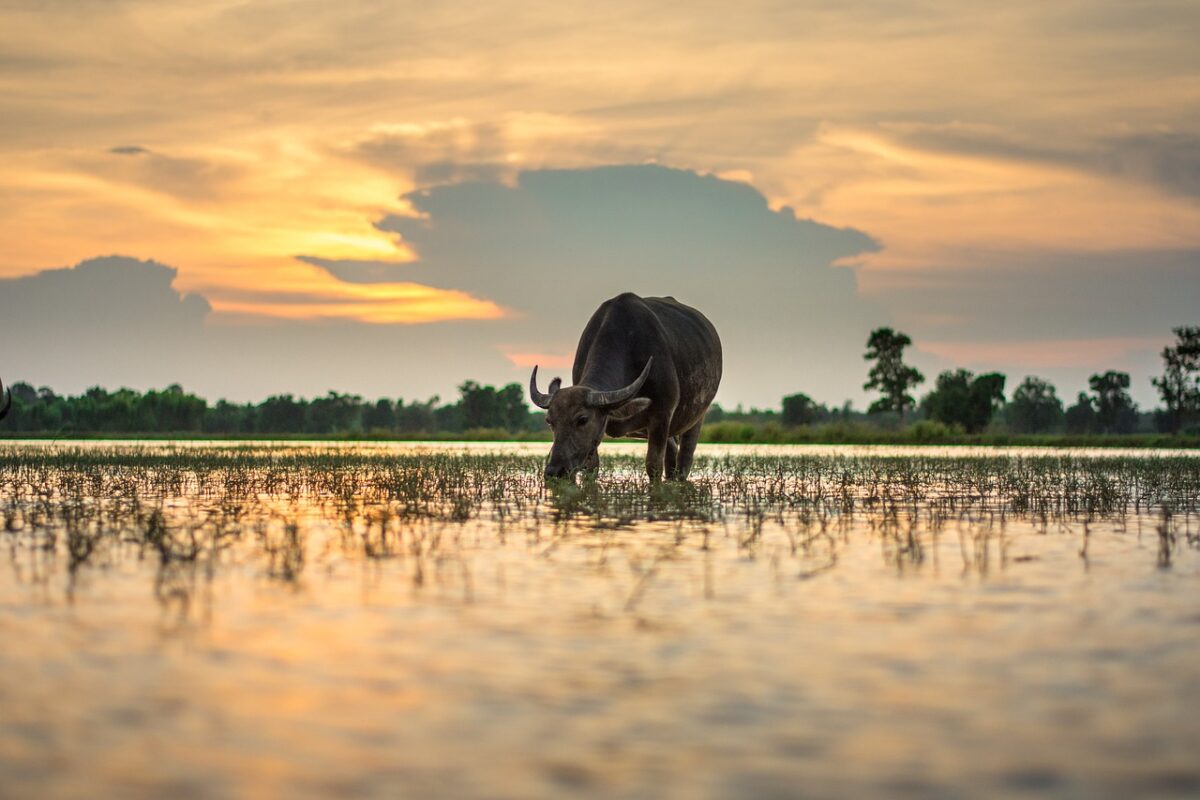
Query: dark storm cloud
(118, 321)
(558, 242)
(549, 249)
(105, 317)
(355, 271)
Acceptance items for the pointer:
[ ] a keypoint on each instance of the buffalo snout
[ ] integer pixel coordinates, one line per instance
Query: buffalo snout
(556, 471)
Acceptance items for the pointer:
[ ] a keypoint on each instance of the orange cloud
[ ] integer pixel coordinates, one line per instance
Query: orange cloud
(323, 298)
(933, 207)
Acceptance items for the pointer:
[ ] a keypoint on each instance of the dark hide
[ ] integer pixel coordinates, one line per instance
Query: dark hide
(624, 336)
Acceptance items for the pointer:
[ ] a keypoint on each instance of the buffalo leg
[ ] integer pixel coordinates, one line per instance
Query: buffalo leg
(656, 452)
(687, 451)
(672, 457)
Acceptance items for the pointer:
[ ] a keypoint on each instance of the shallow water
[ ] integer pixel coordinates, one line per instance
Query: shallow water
(757, 636)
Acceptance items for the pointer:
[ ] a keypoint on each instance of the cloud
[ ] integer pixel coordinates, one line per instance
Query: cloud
(546, 250)
(1167, 160)
(459, 150)
(1061, 315)
(442, 152)
(105, 318)
(118, 321)
(186, 177)
(349, 270)
(1046, 296)
(556, 243)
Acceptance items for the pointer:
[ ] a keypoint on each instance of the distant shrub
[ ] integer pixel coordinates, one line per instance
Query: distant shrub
(928, 430)
(728, 433)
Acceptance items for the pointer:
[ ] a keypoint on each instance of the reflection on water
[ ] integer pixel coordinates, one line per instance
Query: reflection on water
(384, 620)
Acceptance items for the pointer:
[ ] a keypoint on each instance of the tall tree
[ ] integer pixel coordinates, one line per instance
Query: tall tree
(417, 417)
(1081, 417)
(890, 375)
(960, 398)
(1179, 385)
(1035, 407)
(799, 409)
(1115, 410)
(281, 414)
(381, 416)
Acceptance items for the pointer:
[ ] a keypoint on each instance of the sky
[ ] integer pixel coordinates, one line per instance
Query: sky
(386, 198)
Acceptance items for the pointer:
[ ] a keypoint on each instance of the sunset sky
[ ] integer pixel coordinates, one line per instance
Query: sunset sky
(388, 198)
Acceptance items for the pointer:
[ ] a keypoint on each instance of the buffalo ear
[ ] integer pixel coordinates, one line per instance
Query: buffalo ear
(626, 410)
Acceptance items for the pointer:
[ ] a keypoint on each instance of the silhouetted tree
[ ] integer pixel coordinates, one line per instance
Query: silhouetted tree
(1115, 410)
(488, 407)
(799, 409)
(1035, 407)
(281, 414)
(449, 418)
(23, 392)
(381, 416)
(1081, 417)
(334, 413)
(513, 409)
(170, 411)
(1179, 385)
(961, 399)
(890, 375)
(417, 417)
(226, 417)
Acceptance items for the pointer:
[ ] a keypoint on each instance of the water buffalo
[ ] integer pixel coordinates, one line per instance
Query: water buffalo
(645, 366)
(7, 405)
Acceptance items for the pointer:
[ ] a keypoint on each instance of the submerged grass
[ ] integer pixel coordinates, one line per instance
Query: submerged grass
(205, 509)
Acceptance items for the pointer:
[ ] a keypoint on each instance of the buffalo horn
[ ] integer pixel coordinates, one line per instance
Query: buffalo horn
(598, 399)
(542, 400)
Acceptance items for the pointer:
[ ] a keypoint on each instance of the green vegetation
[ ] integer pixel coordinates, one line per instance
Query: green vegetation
(890, 375)
(94, 487)
(965, 400)
(1035, 407)
(481, 412)
(1179, 385)
(195, 515)
(962, 408)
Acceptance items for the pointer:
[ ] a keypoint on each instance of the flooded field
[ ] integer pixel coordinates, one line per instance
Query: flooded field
(414, 621)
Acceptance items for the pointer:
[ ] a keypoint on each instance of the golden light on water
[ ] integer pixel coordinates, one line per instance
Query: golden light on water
(404, 619)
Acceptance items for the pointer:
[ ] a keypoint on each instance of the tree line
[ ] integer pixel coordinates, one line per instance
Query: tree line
(173, 410)
(959, 400)
(972, 402)
(963, 401)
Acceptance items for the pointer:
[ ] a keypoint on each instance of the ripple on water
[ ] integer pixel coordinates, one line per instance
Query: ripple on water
(380, 621)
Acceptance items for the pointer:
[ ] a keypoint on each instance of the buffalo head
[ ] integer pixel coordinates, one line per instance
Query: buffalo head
(579, 415)
(5, 403)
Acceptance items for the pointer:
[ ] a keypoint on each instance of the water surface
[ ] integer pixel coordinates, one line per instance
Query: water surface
(388, 620)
